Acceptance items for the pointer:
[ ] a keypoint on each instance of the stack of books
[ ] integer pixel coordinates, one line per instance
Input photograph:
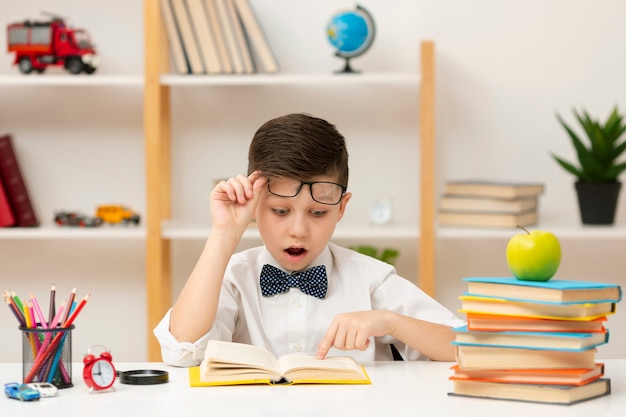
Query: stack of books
(533, 341)
(216, 37)
(489, 203)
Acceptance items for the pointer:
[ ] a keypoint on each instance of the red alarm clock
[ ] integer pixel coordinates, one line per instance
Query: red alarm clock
(98, 373)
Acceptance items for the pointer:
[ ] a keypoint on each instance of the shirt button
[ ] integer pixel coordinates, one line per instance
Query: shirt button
(296, 304)
(297, 348)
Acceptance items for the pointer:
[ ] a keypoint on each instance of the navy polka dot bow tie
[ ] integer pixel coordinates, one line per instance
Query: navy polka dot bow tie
(311, 281)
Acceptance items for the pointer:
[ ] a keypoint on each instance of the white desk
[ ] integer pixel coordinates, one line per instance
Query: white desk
(397, 389)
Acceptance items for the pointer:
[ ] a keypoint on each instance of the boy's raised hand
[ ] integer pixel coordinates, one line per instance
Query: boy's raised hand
(234, 201)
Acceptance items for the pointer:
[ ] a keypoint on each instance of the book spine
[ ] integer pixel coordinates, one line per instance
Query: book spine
(7, 219)
(217, 29)
(259, 45)
(15, 187)
(228, 30)
(173, 38)
(188, 40)
(240, 38)
(204, 36)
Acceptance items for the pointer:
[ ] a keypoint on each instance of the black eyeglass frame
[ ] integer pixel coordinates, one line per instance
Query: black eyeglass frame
(310, 184)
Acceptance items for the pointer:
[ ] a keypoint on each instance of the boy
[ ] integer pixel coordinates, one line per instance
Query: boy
(296, 188)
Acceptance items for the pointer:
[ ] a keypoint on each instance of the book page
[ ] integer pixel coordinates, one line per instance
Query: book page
(229, 355)
(300, 361)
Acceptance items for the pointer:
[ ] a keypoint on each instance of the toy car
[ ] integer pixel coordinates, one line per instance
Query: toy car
(70, 218)
(39, 44)
(45, 389)
(117, 214)
(21, 392)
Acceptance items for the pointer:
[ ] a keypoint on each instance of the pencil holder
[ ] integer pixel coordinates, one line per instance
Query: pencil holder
(47, 355)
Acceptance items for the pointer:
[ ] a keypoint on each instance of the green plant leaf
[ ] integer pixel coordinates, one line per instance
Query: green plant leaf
(389, 255)
(617, 170)
(366, 250)
(597, 159)
(619, 150)
(569, 167)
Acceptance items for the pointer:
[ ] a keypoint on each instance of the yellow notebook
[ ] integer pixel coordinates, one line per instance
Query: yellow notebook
(229, 363)
(471, 304)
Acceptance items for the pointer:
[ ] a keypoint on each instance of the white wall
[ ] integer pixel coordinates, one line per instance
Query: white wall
(504, 68)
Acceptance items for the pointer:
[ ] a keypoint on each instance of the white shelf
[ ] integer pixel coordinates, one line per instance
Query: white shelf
(181, 231)
(176, 230)
(406, 79)
(69, 80)
(562, 231)
(56, 232)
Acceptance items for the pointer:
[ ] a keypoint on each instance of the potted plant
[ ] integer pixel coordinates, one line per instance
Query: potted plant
(597, 176)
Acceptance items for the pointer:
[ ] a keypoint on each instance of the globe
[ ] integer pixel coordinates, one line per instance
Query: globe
(351, 33)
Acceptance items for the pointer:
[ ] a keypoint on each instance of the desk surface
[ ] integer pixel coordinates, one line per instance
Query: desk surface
(398, 388)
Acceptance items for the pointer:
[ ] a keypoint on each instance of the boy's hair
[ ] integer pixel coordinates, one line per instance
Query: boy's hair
(299, 146)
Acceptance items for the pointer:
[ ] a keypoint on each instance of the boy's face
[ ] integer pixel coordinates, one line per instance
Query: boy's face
(295, 230)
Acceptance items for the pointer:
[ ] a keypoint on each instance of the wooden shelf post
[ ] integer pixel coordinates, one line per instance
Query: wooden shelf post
(157, 154)
(427, 240)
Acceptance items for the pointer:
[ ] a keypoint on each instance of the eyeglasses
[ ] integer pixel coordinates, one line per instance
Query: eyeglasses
(323, 192)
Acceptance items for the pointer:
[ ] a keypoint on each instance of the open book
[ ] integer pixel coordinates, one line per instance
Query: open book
(229, 363)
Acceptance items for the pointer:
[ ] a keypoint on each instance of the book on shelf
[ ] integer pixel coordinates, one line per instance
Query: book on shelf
(494, 189)
(187, 36)
(15, 186)
(470, 204)
(262, 54)
(531, 340)
(492, 357)
(204, 36)
(486, 322)
(456, 218)
(536, 393)
(543, 310)
(566, 376)
(218, 31)
(241, 41)
(7, 219)
(228, 31)
(229, 363)
(554, 290)
(173, 38)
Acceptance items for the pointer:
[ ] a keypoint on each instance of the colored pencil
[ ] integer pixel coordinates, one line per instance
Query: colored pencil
(77, 310)
(57, 361)
(52, 307)
(43, 356)
(68, 306)
(17, 300)
(38, 312)
(16, 312)
(53, 325)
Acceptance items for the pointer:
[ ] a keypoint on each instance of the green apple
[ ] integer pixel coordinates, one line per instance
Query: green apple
(533, 256)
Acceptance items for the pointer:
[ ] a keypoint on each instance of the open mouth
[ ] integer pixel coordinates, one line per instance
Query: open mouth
(295, 251)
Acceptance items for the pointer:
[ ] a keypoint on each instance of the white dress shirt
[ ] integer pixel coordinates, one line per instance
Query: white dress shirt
(295, 322)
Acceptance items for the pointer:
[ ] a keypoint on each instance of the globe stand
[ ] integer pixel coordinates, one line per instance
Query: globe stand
(347, 69)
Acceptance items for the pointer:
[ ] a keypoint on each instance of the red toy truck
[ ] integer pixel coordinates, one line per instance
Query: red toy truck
(39, 44)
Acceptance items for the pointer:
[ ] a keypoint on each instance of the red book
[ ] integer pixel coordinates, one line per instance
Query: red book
(6, 214)
(495, 323)
(14, 185)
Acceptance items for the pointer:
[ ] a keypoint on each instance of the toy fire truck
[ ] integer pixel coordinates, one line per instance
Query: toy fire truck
(39, 44)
